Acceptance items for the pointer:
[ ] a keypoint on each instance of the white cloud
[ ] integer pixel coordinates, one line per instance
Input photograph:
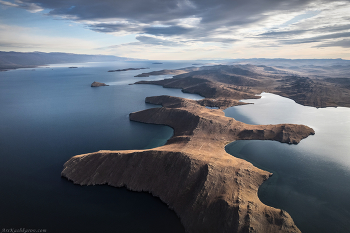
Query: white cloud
(8, 3)
(31, 7)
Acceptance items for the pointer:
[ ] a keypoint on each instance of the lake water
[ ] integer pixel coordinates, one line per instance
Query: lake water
(310, 180)
(49, 115)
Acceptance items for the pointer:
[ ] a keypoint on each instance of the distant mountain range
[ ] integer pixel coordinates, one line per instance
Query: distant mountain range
(15, 60)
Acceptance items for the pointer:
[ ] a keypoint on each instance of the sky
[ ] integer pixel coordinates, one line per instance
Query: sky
(179, 29)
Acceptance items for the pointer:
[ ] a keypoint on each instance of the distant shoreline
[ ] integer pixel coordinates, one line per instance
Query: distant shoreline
(19, 60)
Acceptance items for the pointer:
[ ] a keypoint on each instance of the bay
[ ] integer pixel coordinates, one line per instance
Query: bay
(310, 180)
(50, 114)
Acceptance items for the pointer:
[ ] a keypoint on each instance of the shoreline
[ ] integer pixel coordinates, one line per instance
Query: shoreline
(245, 81)
(203, 156)
(209, 189)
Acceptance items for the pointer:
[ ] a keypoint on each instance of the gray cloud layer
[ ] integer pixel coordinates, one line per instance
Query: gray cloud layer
(341, 43)
(169, 18)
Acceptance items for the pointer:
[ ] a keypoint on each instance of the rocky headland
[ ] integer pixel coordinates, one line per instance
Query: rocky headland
(210, 190)
(98, 84)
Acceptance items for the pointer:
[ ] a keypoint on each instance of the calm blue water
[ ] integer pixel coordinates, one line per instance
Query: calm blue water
(310, 180)
(51, 114)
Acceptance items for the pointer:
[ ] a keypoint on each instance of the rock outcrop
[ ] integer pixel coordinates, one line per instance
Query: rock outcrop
(97, 84)
(210, 190)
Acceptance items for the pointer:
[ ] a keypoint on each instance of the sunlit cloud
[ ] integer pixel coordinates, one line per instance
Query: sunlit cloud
(194, 25)
(31, 7)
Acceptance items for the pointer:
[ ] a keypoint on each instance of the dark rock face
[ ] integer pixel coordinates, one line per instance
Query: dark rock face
(97, 84)
(210, 190)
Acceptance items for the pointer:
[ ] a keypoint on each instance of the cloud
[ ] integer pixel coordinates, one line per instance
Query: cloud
(213, 14)
(341, 43)
(116, 27)
(29, 6)
(138, 28)
(329, 25)
(284, 34)
(8, 3)
(156, 41)
(317, 38)
(222, 23)
(172, 30)
(275, 34)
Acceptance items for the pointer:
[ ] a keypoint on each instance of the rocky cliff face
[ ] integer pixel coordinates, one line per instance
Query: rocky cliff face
(210, 190)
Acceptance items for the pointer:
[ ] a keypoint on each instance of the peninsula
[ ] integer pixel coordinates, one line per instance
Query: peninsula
(127, 69)
(210, 190)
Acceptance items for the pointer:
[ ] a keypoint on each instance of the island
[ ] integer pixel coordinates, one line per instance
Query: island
(209, 189)
(98, 84)
(72, 67)
(157, 63)
(127, 69)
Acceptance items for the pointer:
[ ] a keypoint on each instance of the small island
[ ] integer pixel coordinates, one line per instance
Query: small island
(157, 63)
(127, 69)
(72, 67)
(98, 84)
